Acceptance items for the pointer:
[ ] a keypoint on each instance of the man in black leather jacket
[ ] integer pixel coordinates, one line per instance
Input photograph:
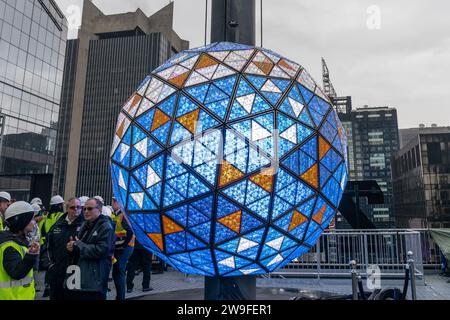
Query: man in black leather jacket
(93, 249)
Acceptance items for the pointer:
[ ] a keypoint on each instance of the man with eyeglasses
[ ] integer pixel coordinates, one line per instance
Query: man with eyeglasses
(92, 251)
(64, 230)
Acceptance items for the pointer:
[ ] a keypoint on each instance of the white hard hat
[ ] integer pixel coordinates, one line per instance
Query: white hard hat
(56, 200)
(36, 207)
(18, 208)
(106, 211)
(99, 198)
(18, 216)
(5, 196)
(83, 200)
(37, 201)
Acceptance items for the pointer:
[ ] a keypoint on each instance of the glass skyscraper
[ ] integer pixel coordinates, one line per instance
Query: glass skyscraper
(373, 137)
(32, 49)
(109, 58)
(421, 177)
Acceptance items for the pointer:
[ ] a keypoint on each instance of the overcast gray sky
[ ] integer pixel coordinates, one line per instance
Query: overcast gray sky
(399, 57)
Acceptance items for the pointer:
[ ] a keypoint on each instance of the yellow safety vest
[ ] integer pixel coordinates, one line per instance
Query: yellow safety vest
(11, 289)
(41, 226)
(120, 231)
(51, 219)
(1, 223)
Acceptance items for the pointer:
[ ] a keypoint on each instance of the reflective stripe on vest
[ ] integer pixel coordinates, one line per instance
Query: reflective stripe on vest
(16, 283)
(132, 241)
(11, 289)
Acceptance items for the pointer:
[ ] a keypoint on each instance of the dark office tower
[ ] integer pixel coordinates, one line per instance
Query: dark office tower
(32, 46)
(372, 138)
(233, 21)
(108, 60)
(421, 177)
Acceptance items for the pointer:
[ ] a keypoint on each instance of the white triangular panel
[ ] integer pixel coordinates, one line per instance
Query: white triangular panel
(124, 148)
(145, 105)
(208, 72)
(306, 80)
(195, 78)
(222, 71)
(189, 63)
(138, 198)
(278, 258)
(246, 54)
(248, 271)
(152, 177)
(229, 262)
(142, 146)
(247, 102)
(259, 132)
(219, 55)
(276, 244)
(269, 86)
(122, 181)
(297, 107)
(245, 244)
(277, 72)
(165, 74)
(290, 134)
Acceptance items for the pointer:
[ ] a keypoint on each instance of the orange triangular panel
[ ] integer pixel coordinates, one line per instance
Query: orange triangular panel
(180, 79)
(311, 176)
(169, 226)
(121, 129)
(264, 179)
(229, 173)
(189, 120)
(157, 239)
(297, 219)
(265, 66)
(159, 119)
(324, 147)
(282, 63)
(205, 61)
(318, 217)
(232, 221)
(135, 99)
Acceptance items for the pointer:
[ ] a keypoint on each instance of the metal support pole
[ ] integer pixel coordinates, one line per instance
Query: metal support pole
(412, 273)
(354, 272)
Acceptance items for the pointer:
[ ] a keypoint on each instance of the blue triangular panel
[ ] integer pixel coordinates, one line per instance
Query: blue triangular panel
(223, 233)
(179, 215)
(203, 231)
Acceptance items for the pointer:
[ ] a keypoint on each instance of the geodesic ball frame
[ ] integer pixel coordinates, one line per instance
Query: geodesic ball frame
(229, 160)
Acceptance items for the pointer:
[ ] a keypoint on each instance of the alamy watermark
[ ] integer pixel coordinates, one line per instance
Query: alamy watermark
(374, 17)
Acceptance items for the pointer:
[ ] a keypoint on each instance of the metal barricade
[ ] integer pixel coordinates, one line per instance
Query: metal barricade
(387, 249)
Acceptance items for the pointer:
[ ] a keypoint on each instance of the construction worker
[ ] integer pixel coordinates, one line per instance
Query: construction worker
(55, 212)
(5, 200)
(100, 198)
(17, 256)
(83, 200)
(123, 249)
